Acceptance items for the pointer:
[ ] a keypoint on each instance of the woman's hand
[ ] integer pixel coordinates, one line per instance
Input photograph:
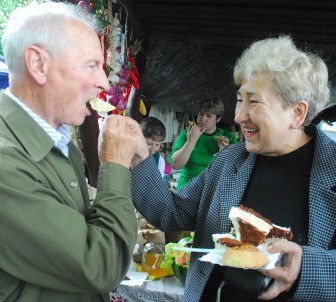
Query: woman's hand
(142, 151)
(285, 275)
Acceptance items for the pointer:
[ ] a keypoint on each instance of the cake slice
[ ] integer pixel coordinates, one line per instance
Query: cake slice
(280, 232)
(250, 226)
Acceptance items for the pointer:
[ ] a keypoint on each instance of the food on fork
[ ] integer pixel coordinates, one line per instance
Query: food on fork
(100, 105)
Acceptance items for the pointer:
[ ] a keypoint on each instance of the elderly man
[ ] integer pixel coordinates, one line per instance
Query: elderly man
(55, 246)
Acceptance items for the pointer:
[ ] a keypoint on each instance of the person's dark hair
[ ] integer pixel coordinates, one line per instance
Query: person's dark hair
(212, 105)
(153, 128)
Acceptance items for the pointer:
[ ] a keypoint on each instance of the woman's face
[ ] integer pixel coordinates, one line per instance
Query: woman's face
(265, 123)
(207, 121)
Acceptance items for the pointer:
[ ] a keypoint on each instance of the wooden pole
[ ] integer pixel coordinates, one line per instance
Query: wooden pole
(89, 132)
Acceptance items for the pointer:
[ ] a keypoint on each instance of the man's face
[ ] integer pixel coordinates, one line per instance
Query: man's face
(75, 77)
(207, 121)
(265, 123)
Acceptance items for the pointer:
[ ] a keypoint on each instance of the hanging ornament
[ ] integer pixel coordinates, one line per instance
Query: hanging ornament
(112, 90)
(120, 67)
(121, 105)
(113, 99)
(91, 5)
(142, 107)
(83, 4)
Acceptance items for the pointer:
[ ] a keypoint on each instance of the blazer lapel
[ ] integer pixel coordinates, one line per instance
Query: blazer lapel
(322, 205)
(234, 187)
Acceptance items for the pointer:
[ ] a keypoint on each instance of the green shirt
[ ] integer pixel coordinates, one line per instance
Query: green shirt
(55, 246)
(205, 148)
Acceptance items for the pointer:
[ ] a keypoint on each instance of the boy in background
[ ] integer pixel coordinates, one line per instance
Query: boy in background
(154, 132)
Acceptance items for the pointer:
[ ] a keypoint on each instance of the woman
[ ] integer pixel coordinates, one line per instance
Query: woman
(194, 148)
(285, 170)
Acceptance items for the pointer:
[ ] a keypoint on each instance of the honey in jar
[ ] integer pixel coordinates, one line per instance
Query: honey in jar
(152, 257)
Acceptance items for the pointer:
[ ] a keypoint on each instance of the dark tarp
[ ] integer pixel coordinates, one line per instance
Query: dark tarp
(179, 74)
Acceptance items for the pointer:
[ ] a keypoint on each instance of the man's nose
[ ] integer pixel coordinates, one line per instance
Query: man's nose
(102, 81)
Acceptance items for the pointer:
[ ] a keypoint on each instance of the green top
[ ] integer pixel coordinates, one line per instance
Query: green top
(202, 154)
(55, 246)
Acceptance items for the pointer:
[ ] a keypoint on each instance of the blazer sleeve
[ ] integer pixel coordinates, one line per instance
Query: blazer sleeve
(318, 275)
(167, 210)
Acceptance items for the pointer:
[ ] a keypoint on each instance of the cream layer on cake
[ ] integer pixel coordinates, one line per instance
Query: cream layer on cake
(237, 213)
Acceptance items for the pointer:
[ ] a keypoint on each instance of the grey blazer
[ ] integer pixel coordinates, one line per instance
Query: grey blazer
(203, 206)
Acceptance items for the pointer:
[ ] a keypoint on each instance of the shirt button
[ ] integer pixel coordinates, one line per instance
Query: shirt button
(74, 184)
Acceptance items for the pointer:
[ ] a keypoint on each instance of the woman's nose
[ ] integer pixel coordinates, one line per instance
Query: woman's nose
(240, 113)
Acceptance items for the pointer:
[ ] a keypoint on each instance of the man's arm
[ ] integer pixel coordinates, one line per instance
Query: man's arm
(49, 236)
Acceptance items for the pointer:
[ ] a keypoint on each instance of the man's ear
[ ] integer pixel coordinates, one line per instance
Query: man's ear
(300, 110)
(37, 62)
(218, 119)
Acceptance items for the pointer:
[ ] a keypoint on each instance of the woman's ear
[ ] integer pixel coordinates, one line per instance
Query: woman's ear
(300, 110)
(37, 63)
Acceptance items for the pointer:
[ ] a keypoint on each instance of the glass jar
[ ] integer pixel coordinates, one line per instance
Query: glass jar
(152, 257)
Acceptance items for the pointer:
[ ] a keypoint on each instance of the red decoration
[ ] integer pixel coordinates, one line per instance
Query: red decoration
(102, 95)
(134, 79)
(127, 91)
(134, 67)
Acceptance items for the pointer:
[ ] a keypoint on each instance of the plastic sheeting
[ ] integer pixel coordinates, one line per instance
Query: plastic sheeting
(3, 80)
(179, 74)
(3, 74)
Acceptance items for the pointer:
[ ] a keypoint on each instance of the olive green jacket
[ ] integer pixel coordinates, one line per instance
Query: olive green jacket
(54, 245)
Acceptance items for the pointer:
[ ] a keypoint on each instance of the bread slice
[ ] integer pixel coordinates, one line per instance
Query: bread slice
(245, 256)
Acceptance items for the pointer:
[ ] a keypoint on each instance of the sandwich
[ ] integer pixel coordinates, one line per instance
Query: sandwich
(250, 233)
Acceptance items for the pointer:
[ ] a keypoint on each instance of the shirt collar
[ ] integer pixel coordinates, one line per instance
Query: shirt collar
(61, 136)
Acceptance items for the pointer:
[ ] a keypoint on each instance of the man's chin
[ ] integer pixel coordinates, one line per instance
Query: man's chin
(79, 121)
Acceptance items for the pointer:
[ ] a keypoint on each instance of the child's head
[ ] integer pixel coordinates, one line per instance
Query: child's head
(154, 132)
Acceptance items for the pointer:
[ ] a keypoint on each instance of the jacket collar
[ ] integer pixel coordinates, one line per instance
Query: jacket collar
(322, 194)
(30, 135)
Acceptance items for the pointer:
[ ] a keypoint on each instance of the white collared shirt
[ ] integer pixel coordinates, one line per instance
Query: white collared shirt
(61, 136)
